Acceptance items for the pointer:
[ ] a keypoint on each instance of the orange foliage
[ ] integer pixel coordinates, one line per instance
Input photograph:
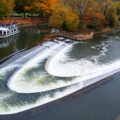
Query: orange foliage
(45, 6)
(87, 17)
(64, 17)
(94, 19)
(98, 15)
(90, 9)
(27, 8)
(6, 6)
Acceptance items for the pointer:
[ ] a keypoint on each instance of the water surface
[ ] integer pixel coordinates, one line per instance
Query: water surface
(27, 37)
(59, 68)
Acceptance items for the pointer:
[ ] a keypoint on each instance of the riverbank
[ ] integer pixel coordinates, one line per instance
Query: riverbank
(24, 22)
(81, 35)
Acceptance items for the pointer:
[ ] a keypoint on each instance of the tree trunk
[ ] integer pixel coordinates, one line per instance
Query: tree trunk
(24, 15)
(84, 8)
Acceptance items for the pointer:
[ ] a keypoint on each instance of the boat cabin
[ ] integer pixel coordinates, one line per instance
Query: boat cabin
(4, 31)
(8, 30)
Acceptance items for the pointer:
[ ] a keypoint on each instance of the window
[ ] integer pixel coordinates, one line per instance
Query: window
(0, 33)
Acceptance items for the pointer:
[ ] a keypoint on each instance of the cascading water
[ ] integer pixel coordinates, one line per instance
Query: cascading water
(55, 70)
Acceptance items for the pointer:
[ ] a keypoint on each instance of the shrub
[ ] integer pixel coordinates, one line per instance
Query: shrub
(111, 18)
(57, 18)
(71, 21)
(64, 18)
(97, 20)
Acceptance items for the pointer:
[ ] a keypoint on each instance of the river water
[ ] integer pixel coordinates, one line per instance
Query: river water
(57, 69)
(27, 37)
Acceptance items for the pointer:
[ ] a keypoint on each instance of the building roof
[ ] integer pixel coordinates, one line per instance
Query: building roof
(3, 29)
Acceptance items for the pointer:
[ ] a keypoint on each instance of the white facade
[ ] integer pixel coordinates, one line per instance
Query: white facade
(8, 31)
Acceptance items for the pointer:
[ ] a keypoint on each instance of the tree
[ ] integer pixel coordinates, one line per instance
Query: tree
(111, 18)
(98, 13)
(44, 7)
(118, 9)
(22, 5)
(6, 6)
(64, 17)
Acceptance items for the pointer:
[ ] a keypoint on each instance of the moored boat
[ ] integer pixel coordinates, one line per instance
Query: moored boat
(8, 30)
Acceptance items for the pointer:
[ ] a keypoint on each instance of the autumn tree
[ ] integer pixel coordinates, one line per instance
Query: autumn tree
(99, 13)
(64, 17)
(44, 7)
(6, 6)
(111, 18)
(118, 9)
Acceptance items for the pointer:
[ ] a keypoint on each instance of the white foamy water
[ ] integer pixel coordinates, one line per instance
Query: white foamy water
(4, 71)
(41, 82)
(58, 65)
(40, 101)
(61, 65)
(81, 82)
(18, 80)
(4, 96)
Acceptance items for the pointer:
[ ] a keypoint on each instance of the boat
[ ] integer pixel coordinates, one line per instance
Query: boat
(8, 30)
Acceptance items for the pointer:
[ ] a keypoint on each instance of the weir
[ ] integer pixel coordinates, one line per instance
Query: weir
(53, 71)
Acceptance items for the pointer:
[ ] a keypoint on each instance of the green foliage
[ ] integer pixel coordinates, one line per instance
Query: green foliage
(65, 18)
(118, 9)
(6, 6)
(3, 8)
(111, 18)
(56, 20)
(96, 21)
(100, 14)
(71, 21)
(84, 13)
(68, 14)
(20, 5)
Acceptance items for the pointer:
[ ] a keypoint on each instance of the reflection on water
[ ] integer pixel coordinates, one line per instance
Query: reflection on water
(10, 40)
(26, 38)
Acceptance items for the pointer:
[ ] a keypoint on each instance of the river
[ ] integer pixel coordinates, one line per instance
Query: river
(27, 38)
(57, 69)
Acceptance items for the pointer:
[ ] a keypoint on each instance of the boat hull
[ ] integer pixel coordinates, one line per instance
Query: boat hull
(2, 37)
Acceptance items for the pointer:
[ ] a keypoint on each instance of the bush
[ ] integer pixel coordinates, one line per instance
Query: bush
(6, 6)
(64, 18)
(56, 20)
(71, 22)
(96, 20)
(111, 18)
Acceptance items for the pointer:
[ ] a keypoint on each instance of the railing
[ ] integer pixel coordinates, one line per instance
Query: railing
(12, 26)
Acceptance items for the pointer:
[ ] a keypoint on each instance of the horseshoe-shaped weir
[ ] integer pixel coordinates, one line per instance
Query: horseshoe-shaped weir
(55, 71)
